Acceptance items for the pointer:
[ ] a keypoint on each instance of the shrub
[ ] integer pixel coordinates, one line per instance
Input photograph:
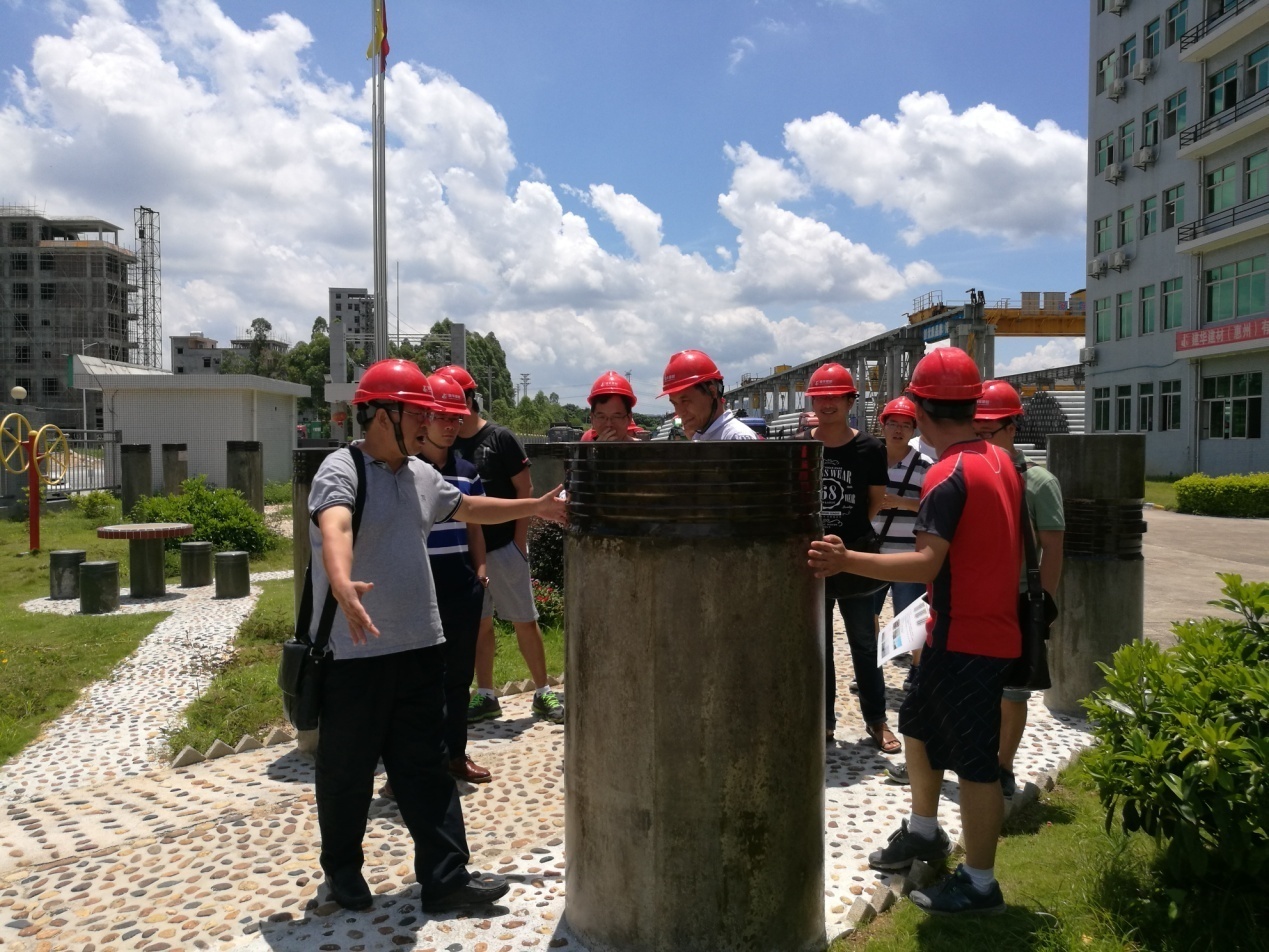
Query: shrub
(549, 601)
(219, 516)
(1243, 496)
(546, 552)
(1183, 740)
(277, 494)
(97, 507)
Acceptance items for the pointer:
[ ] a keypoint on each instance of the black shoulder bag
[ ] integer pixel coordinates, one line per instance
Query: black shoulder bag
(301, 667)
(1036, 612)
(850, 585)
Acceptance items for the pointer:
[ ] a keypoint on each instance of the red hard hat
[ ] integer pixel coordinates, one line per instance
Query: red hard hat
(946, 373)
(448, 395)
(999, 401)
(686, 369)
(611, 384)
(459, 375)
(831, 380)
(394, 380)
(899, 406)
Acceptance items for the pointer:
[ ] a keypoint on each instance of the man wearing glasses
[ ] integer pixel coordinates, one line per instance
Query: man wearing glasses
(611, 400)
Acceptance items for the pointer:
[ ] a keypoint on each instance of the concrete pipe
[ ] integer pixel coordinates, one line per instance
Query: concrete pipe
(1102, 595)
(694, 802)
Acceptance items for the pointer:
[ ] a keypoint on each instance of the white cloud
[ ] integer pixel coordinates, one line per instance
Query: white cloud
(260, 168)
(741, 47)
(1059, 352)
(982, 171)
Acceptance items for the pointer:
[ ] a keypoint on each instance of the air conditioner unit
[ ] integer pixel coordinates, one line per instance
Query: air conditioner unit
(1117, 6)
(1144, 156)
(1116, 88)
(1143, 69)
(1088, 356)
(1097, 267)
(1119, 260)
(1114, 172)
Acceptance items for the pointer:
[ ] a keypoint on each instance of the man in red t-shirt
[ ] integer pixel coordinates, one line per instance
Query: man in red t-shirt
(968, 551)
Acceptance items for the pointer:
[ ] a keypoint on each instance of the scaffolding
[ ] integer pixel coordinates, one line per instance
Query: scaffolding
(145, 329)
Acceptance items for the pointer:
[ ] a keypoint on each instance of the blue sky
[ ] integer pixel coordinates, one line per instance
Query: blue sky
(599, 183)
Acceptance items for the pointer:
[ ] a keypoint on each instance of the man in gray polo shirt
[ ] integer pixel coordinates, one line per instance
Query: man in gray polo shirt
(383, 692)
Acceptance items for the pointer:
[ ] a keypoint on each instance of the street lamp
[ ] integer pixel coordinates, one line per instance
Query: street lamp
(18, 394)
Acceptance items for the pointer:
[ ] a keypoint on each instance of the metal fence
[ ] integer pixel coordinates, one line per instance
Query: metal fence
(92, 463)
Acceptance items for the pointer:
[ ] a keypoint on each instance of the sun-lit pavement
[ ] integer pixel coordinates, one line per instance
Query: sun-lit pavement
(102, 847)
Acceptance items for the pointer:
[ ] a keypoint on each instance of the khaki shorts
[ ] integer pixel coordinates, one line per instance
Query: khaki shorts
(510, 591)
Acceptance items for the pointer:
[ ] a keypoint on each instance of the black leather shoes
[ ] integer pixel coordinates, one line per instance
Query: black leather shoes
(350, 890)
(480, 890)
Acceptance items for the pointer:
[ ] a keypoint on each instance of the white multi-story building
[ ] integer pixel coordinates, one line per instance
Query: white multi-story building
(1178, 230)
(356, 308)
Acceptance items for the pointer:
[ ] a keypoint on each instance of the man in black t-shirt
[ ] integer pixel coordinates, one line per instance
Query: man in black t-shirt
(504, 469)
(853, 486)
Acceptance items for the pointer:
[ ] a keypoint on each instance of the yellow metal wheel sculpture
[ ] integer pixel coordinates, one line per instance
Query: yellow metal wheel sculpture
(52, 454)
(14, 430)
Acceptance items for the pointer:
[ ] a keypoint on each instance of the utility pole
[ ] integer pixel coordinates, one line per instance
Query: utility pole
(524, 382)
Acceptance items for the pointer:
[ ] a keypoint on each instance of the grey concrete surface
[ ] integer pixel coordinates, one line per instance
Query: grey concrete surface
(1183, 554)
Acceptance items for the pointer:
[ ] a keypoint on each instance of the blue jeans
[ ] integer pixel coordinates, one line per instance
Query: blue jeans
(905, 593)
(858, 616)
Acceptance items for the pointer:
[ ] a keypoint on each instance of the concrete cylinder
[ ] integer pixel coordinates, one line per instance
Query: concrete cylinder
(147, 572)
(694, 808)
(233, 574)
(63, 572)
(1101, 597)
(98, 587)
(548, 463)
(135, 479)
(175, 467)
(244, 470)
(196, 564)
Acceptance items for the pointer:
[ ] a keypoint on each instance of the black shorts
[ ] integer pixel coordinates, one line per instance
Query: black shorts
(954, 709)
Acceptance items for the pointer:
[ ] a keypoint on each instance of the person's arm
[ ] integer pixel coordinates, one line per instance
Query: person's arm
(476, 552)
(523, 483)
(876, 498)
(830, 556)
(335, 523)
(487, 510)
(1049, 542)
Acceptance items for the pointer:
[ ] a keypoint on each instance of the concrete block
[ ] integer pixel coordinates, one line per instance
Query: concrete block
(218, 749)
(187, 757)
(861, 912)
(920, 875)
(277, 736)
(882, 898)
(898, 886)
(246, 743)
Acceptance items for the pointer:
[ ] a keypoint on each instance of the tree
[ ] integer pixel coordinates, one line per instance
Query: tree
(319, 327)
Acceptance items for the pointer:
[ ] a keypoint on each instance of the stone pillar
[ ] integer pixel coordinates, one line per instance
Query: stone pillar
(1101, 597)
(98, 587)
(63, 572)
(136, 479)
(196, 564)
(233, 574)
(244, 470)
(175, 467)
(694, 812)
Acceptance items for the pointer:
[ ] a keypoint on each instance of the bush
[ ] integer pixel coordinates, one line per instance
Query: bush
(97, 507)
(277, 494)
(546, 552)
(219, 516)
(549, 601)
(1183, 741)
(1243, 496)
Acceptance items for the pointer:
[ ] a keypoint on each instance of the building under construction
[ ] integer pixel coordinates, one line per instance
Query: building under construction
(65, 289)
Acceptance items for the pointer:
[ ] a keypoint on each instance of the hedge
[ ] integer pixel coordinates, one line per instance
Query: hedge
(1243, 496)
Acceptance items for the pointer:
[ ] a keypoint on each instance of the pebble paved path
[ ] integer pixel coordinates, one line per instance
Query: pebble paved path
(103, 848)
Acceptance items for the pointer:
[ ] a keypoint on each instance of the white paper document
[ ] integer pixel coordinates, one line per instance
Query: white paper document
(905, 633)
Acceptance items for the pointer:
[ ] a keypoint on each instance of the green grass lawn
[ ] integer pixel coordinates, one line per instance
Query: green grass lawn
(1161, 492)
(1071, 886)
(47, 660)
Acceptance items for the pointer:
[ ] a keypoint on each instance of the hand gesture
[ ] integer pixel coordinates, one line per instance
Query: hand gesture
(828, 557)
(349, 598)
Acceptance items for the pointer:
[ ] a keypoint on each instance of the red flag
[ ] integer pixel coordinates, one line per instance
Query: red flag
(379, 36)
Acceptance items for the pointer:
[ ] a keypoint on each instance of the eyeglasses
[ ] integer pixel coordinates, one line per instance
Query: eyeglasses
(899, 425)
(603, 418)
(420, 415)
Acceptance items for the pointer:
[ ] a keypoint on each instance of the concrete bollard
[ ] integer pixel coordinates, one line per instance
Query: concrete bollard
(1101, 597)
(175, 467)
(98, 587)
(196, 564)
(63, 572)
(134, 475)
(694, 810)
(244, 470)
(548, 462)
(233, 575)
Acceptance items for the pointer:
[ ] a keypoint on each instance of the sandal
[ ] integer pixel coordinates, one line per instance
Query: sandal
(881, 737)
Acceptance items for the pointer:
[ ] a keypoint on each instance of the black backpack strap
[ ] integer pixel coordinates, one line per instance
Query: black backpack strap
(328, 609)
(907, 478)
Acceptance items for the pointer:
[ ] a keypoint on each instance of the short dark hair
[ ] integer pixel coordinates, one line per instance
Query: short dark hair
(604, 396)
(960, 410)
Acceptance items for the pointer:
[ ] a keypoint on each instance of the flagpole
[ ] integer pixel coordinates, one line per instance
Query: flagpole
(379, 184)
